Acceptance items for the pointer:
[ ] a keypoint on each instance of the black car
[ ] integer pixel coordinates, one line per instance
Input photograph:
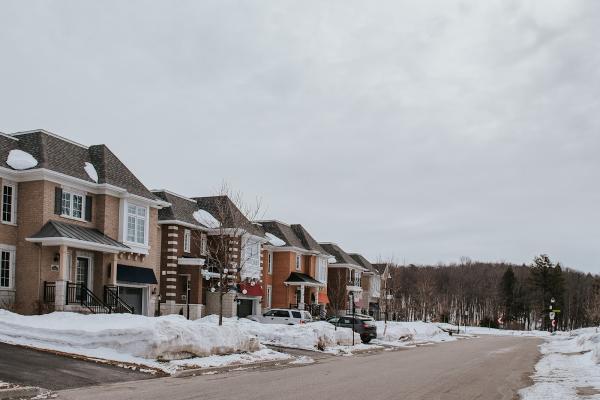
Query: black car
(365, 327)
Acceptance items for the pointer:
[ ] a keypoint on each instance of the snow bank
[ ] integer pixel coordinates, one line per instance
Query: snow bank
(411, 332)
(91, 171)
(569, 363)
(312, 336)
(274, 240)
(20, 160)
(233, 359)
(140, 337)
(206, 219)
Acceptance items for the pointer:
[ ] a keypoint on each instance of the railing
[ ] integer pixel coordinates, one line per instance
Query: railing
(355, 282)
(49, 292)
(314, 309)
(116, 304)
(78, 293)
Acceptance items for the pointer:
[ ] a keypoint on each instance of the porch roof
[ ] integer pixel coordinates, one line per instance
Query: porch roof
(55, 233)
(298, 278)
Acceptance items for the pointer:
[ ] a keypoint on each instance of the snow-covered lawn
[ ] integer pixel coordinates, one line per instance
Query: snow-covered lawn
(569, 368)
(401, 334)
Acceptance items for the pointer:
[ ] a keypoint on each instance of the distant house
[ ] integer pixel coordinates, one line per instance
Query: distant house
(78, 230)
(371, 284)
(294, 268)
(386, 303)
(344, 286)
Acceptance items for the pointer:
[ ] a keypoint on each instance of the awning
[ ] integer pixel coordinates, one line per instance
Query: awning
(128, 273)
(251, 290)
(323, 299)
(298, 278)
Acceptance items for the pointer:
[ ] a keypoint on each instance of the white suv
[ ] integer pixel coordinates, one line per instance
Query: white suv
(283, 316)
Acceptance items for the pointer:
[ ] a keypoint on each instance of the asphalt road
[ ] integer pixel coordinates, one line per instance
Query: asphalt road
(486, 368)
(50, 371)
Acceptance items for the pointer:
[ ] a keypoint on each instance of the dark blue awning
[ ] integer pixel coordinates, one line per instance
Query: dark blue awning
(128, 273)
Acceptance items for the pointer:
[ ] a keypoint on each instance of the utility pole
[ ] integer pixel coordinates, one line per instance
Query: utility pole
(187, 298)
(353, 316)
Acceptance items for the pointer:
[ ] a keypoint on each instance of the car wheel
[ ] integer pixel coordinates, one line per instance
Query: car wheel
(366, 340)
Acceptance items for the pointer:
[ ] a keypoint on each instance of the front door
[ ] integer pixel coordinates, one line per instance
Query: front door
(82, 273)
(133, 296)
(244, 308)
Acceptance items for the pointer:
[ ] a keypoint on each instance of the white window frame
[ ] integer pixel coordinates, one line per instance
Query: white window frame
(269, 296)
(298, 262)
(70, 211)
(187, 241)
(203, 244)
(322, 270)
(90, 258)
(138, 217)
(13, 205)
(270, 263)
(11, 250)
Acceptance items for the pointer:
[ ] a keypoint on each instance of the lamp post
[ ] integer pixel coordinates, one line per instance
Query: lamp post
(353, 315)
(551, 314)
(187, 297)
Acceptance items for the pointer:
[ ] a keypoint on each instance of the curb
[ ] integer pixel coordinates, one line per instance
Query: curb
(19, 392)
(201, 371)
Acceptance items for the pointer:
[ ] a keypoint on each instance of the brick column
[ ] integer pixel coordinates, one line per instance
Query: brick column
(171, 265)
(60, 295)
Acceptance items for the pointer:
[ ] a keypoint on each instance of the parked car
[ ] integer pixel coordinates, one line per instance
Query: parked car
(363, 325)
(283, 316)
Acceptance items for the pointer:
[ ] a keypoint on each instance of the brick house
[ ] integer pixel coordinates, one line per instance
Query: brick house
(294, 268)
(371, 285)
(184, 244)
(344, 281)
(234, 249)
(79, 231)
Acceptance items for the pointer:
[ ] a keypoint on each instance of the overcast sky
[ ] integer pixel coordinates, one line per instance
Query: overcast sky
(422, 130)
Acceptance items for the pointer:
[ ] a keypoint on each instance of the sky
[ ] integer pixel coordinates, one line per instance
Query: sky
(418, 131)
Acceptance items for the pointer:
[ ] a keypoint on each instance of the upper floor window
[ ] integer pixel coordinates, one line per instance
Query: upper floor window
(7, 268)
(251, 262)
(9, 203)
(136, 223)
(187, 240)
(322, 270)
(72, 204)
(203, 244)
(270, 263)
(298, 262)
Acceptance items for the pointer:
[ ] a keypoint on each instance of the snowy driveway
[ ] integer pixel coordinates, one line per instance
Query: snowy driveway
(50, 371)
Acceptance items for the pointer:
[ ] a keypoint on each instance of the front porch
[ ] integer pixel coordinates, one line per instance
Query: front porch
(310, 294)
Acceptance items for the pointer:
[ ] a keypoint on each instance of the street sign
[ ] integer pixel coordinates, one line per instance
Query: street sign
(556, 311)
(554, 323)
(552, 315)
(500, 320)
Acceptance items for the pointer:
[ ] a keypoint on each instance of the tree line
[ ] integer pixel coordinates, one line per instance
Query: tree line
(495, 294)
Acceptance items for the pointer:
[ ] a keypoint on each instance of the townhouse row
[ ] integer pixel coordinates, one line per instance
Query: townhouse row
(80, 232)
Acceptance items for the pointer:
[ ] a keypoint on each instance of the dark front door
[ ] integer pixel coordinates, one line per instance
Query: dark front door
(133, 297)
(244, 308)
(83, 271)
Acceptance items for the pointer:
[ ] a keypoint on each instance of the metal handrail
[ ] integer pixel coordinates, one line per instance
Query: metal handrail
(78, 293)
(117, 304)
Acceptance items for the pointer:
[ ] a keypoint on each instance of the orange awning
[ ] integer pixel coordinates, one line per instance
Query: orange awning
(323, 299)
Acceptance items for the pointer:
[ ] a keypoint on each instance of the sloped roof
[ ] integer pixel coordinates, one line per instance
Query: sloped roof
(56, 229)
(363, 262)
(66, 157)
(341, 257)
(283, 232)
(227, 213)
(307, 240)
(181, 209)
(380, 267)
(299, 277)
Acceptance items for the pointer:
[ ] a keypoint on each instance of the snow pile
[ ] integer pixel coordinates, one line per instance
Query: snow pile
(91, 171)
(312, 336)
(569, 368)
(20, 160)
(410, 332)
(233, 359)
(124, 337)
(274, 240)
(479, 330)
(206, 219)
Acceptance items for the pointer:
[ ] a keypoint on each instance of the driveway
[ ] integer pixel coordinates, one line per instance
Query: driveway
(487, 368)
(50, 371)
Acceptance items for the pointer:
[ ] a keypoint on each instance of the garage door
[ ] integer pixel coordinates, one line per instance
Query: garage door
(244, 308)
(132, 296)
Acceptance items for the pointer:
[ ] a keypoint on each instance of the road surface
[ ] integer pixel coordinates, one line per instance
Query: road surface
(486, 368)
(50, 371)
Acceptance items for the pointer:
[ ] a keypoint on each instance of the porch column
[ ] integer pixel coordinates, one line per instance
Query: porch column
(113, 270)
(316, 295)
(301, 303)
(60, 294)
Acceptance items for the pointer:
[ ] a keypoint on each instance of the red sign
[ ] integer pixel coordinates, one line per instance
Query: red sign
(554, 322)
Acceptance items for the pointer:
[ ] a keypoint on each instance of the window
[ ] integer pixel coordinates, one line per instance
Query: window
(136, 224)
(269, 296)
(203, 244)
(187, 240)
(251, 252)
(270, 264)
(281, 313)
(8, 203)
(322, 270)
(7, 267)
(296, 314)
(72, 205)
(298, 262)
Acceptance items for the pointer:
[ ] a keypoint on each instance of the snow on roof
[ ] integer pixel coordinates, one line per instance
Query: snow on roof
(274, 240)
(19, 159)
(206, 219)
(91, 171)
(332, 260)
